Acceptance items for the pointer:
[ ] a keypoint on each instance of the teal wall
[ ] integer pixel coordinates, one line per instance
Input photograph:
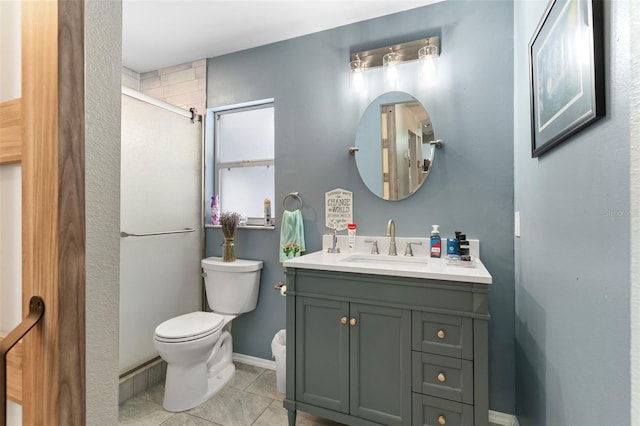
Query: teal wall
(316, 116)
(572, 262)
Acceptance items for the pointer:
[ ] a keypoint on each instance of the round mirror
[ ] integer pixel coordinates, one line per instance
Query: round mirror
(394, 153)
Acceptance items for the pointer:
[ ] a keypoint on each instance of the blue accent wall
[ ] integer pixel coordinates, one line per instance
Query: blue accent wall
(316, 116)
(572, 270)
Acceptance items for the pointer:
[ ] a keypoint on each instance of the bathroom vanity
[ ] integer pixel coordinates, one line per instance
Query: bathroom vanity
(387, 340)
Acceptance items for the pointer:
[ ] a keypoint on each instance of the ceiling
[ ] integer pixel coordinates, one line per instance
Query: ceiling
(161, 33)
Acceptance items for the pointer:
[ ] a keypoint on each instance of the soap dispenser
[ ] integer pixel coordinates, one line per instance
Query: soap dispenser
(436, 242)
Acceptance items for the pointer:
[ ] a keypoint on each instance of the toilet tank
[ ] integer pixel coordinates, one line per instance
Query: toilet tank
(232, 287)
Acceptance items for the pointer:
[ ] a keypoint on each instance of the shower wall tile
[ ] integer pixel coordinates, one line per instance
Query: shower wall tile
(155, 374)
(125, 390)
(130, 73)
(201, 72)
(178, 77)
(181, 88)
(183, 85)
(175, 68)
(188, 100)
(149, 83)
(141, 382)
(130, 79)
(157, 93)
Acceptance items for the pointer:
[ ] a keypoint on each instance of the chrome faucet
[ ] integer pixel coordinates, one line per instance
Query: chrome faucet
(391, 232)
(334, 240)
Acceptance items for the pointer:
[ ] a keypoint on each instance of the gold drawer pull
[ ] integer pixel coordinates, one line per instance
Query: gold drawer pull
(441, 334)
(441, 377)
(441, 420)
(343, 320)
(352, 322)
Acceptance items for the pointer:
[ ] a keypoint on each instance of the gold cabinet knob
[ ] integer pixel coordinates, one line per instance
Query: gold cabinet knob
(441, 334)
(344, 320)
(441, 377)
(441, 420)
(352, 322)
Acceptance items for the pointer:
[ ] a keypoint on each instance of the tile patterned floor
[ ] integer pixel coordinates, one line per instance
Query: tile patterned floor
(249, 399)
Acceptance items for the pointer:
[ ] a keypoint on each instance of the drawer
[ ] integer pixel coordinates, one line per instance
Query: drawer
(447, 335)
(431, 411)
(441, 376)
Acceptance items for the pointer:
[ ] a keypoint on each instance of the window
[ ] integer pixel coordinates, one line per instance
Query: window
(244, 159)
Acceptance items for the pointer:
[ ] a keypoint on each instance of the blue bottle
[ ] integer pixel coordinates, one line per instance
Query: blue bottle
(452, 246)
(436, 242)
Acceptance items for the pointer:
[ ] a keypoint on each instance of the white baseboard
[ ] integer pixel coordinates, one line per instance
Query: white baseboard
(256, 362)
(502, 419)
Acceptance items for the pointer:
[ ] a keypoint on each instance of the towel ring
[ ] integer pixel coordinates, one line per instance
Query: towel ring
(292, 195)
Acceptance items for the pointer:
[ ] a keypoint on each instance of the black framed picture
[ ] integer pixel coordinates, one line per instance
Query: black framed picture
(566, 73)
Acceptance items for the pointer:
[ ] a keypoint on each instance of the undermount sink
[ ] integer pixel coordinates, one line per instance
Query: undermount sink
(385, 259)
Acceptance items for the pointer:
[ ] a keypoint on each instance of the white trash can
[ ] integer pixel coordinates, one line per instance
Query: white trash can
(279, 350)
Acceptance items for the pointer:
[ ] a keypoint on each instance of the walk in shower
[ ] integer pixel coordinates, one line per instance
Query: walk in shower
(161, 221)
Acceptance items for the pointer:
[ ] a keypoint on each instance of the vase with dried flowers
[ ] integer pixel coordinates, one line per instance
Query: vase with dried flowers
(229, 222)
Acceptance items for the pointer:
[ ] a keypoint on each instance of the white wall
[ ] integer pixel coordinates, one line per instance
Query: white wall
(635, 215)
(10, 187)
(103, 51)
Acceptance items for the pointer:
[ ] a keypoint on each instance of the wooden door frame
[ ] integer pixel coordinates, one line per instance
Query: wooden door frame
(51, 118)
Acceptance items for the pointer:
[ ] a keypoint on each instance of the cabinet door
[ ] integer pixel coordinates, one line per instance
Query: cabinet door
(322, 353)
(380, 375)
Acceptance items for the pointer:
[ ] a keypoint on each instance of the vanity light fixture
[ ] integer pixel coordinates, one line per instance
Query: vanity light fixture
(388, 56)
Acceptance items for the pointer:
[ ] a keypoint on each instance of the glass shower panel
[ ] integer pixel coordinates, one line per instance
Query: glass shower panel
(160, 275)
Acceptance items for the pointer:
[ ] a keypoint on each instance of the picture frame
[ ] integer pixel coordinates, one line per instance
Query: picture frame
(566, 72)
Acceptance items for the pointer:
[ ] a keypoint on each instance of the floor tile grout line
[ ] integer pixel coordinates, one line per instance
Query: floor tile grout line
(263, 411)
(255, 380)
(206, 420)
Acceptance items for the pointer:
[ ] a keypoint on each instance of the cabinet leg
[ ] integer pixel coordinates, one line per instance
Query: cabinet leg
(292, 417)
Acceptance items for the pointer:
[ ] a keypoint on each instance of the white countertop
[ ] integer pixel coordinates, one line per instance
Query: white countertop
(419, 266)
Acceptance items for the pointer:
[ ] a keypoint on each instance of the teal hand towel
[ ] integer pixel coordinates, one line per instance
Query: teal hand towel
(291, 235)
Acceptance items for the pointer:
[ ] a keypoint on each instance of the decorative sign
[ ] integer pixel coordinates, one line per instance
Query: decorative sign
(339, 207)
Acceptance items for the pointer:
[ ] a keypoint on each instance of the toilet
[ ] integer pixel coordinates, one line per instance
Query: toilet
(197, 346)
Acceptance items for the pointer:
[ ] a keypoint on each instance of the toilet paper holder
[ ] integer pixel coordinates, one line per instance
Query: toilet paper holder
(281, 287)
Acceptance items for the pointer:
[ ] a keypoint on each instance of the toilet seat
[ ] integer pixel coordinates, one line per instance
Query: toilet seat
(191, 326)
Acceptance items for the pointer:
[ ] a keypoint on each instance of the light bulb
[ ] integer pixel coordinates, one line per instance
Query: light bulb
(428, 56)
(389, 64)
(357, 77)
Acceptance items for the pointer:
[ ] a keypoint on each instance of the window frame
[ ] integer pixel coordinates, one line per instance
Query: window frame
(218, 165)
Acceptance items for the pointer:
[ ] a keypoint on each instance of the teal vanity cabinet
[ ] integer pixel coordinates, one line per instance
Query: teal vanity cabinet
(368, 349)
(348, 352)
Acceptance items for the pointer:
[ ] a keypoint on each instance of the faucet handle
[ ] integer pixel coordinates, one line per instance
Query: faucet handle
(408, 251)
(374, 246)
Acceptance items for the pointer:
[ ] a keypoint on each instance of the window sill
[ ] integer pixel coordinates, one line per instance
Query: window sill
(264, 228)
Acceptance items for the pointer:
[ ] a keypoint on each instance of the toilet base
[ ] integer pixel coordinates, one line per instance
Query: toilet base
(187, 387)
(217, 381)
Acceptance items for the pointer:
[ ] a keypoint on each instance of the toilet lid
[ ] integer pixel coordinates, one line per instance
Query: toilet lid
(190, 326)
